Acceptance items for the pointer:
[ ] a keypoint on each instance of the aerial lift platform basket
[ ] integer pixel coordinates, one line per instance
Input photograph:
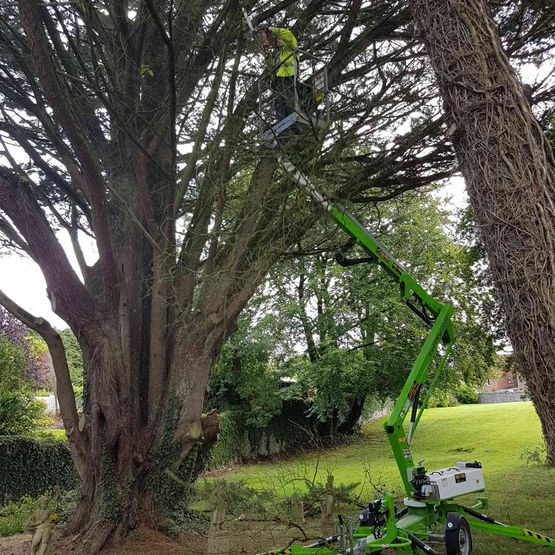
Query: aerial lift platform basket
(307, 95)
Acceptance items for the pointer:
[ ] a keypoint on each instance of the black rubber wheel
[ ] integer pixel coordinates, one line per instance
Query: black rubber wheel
(458, 540)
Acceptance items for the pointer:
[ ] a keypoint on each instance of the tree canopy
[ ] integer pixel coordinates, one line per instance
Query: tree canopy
(342, 334)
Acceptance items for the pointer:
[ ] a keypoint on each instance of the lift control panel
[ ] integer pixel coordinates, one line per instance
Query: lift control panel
(464, 477)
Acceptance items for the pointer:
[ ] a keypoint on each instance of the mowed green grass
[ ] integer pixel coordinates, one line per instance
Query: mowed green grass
(496, 435)
(53, 433)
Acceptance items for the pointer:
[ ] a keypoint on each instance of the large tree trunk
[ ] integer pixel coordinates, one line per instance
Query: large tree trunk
(509, 171)
(142, 455)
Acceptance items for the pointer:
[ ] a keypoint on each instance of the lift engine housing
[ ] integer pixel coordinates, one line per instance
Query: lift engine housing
(464, 477)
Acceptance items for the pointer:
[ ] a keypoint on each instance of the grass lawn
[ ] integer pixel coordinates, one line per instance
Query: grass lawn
(496, 435)
(52, 433)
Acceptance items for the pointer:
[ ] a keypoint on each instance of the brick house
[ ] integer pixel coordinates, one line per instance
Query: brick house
(504, 384)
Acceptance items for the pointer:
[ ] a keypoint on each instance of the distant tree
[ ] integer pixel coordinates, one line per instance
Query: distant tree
(359, 340)
(74, 359)
(43, 375)
(33, 347)
(246, 377)
(19, 412)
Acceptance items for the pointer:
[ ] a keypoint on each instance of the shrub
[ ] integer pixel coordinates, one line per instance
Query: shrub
(441, 398)
(537, 455)
(30, 467)
(42, 393)
(227, 449)
(466, 395)
(19, 412)
(15, 517)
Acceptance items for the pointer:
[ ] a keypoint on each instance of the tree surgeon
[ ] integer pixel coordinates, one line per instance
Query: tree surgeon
(285, 63)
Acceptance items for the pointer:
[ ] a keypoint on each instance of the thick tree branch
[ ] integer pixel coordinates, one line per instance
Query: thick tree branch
(57, 96)
(11, 233)
(69, 297)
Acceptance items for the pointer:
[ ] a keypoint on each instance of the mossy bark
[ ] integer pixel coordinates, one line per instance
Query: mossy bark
(510, 174)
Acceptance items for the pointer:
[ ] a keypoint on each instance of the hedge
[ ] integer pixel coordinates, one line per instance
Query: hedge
(228, 446)
(31, 467)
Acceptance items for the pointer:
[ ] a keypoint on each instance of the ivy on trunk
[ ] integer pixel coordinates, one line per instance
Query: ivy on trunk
(510, 174)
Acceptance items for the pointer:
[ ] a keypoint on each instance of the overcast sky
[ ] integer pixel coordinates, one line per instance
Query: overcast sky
(22, 280)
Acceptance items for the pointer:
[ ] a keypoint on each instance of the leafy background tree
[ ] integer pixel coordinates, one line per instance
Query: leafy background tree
(358, 340)
(35, 367)
(74, 361)
(19, 412)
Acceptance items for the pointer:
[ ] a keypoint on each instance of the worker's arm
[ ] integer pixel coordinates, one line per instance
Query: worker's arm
(285, 35)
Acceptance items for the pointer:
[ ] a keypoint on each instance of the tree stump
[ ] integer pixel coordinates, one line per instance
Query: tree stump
(297, 510)
(328, 509)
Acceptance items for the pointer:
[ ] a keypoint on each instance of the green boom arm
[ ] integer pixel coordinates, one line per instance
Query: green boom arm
(436, 316)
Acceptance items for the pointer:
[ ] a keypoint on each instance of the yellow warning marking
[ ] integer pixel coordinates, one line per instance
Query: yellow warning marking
(540, 537)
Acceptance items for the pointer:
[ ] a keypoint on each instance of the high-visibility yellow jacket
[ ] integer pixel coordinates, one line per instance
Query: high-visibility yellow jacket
(286, 54)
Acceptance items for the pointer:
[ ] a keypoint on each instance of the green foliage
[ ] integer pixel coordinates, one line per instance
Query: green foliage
(441, 398)
(31, 467)
(12, 364)
(227, 448)
(170, 477)
(245, 376)
(19, 412)
(359, 339)
(15, 517)
(42, 393)
(466, 395)
(111, 505)
(37, 345)
(66, 501)
(331, 382)
(535, 455)
(51, 433)
(346, 494)
(74, 360)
